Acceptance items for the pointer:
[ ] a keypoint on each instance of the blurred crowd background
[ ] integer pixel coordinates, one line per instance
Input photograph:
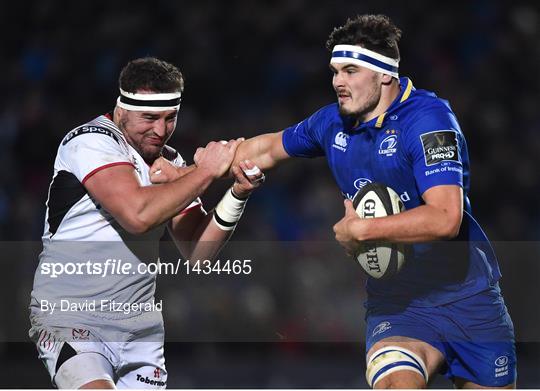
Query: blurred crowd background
(257, 66)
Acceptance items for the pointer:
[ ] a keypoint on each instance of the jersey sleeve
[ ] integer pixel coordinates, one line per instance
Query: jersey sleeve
(436, 147)
(305, 139)
(84, 153)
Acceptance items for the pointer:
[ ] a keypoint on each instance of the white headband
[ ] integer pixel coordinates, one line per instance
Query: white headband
(366, 58)
(149, 102)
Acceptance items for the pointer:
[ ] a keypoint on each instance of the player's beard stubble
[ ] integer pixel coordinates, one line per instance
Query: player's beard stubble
(365, 100)
(148, 154)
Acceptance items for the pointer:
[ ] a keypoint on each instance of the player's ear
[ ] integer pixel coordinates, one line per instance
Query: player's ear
(386, 79)
(119, 113)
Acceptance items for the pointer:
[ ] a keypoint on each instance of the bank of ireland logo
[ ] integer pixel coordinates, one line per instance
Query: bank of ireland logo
(340, 142)
(361, 182)
(388, 145)
(501, 361)
(381, 328)
(501, 364)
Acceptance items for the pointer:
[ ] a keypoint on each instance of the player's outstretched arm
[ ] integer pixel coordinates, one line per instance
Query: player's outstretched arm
(265, 150)
(140, 208)
(199, 235)
(439, 219)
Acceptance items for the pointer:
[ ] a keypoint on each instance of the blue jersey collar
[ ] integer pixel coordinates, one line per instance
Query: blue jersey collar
(406, 87)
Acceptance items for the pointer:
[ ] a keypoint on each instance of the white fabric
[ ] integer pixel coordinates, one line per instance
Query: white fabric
(84, 150)
(127, 106)
(229, 209)
(81, 369)
(132, 350)
(365, 64)
(389, 355)
(252, 171)
(152, 96)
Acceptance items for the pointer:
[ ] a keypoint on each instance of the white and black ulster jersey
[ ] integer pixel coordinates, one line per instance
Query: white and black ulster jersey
(71, 213)
(77, 229)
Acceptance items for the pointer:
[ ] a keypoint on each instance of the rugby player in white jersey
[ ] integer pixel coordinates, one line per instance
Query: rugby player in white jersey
(103, 211)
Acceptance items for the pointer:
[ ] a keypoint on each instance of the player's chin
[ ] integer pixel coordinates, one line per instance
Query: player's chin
(151, 152)
(345, 110)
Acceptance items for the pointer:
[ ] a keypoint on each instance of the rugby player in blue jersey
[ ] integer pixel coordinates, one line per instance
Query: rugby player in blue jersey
(444, 310)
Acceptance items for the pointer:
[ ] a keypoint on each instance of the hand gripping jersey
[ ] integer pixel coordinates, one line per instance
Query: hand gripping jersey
(415, 145)
(79, 231)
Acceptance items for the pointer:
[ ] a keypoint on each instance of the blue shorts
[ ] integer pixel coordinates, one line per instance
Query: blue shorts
(475, 335)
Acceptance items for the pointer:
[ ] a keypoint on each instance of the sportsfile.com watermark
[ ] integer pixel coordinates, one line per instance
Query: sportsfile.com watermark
(112, 267)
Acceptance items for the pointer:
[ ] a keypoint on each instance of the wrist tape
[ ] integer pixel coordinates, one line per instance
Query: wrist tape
(229, 210)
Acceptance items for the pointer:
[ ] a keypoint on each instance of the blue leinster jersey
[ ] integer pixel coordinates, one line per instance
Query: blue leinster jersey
(415, 145)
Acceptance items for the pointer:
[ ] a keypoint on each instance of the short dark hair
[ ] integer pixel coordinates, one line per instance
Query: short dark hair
(152, 74)
(373, 32)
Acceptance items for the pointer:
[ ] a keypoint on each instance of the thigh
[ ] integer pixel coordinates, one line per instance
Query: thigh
(84, 370)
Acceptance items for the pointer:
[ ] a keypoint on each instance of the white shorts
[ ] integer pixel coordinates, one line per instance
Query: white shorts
(129, 352)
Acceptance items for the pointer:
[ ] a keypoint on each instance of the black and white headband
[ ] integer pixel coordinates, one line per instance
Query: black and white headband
(149, 102)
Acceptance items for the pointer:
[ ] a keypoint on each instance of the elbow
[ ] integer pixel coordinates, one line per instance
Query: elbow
(135, 225)
(451, 229)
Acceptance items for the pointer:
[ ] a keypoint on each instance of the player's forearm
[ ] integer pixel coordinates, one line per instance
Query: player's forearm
(154, 205)
(422, 224)
(208, 240)
(265, 150)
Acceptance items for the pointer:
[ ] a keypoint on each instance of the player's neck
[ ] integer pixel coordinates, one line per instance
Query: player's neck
(388, 94)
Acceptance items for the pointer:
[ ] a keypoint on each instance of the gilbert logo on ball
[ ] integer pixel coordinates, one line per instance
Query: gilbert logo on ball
(379, 260)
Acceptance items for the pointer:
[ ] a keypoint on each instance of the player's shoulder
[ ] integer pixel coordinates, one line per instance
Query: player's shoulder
(99, 130)
(424, 110)
(423, 101)
(330, 112)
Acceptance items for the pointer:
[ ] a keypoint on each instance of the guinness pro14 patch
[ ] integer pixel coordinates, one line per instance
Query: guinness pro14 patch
(441, 145)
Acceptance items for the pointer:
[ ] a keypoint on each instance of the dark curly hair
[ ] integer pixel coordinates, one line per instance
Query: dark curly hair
(373, 32)
(151, 74)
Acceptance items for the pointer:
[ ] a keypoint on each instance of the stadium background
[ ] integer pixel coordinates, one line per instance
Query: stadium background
(251, 67)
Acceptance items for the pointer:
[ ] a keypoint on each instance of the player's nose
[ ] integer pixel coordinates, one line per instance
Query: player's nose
(160, 128)
(337, 80)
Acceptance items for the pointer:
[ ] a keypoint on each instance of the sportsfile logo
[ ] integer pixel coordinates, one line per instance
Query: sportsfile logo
(341, 141)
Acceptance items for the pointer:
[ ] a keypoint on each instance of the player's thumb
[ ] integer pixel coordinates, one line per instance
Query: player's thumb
(349, 209)
(157, 165)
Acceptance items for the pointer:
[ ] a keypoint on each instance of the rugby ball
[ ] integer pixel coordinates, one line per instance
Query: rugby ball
(379, 260)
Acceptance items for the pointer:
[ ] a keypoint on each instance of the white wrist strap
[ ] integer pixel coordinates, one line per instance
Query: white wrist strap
(228, 211)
